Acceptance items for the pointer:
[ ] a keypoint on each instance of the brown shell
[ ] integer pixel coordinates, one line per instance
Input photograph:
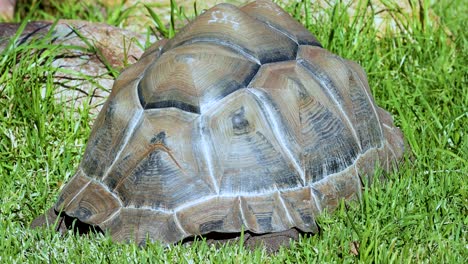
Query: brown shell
(242, 121)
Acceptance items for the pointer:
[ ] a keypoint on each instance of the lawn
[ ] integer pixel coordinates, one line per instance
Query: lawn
(417, 70)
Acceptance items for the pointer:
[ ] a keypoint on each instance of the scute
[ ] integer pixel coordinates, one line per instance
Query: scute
(195, 75)
(248, 148)
(328, 144)
(159, 169)
(302, 208)
(136, 225)
(272, 15)
(225, 215)
(241, 121)
(88, 200)
(265, 213)
(116, 120)
(226, 25)
(345, 86)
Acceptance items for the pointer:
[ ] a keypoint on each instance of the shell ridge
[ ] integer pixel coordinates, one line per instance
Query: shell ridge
(153, 147)
(186, 107)
(207, 150)
(390, 147)
(273, 122)
(242, 213)
(132, 126)
(149, 208)
(316, 199)
(286, 33)
(285, 208)
(111, 217)
(175, 104)
(225, 43)
(179, 226)
(139, 89)
(280, 30)
(191, 203)
(64, 208)
(310, 68)
(369, 99)
(272, 14)
(216, 103)
(361, 185)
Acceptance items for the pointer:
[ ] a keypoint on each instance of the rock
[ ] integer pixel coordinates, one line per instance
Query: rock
(91, 57)
(7, 8)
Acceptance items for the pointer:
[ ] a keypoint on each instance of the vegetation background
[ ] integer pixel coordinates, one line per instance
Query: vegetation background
(417, 69)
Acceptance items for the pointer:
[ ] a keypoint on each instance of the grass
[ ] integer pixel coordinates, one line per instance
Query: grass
(418, 214)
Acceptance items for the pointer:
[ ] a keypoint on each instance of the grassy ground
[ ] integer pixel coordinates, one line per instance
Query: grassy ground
(419, 214)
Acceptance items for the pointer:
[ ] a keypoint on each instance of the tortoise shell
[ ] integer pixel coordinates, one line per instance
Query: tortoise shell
(241, 121)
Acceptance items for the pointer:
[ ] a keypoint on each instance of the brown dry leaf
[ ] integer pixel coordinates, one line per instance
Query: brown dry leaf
(354, 248)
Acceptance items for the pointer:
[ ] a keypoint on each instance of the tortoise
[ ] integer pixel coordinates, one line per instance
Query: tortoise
(242, 121)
